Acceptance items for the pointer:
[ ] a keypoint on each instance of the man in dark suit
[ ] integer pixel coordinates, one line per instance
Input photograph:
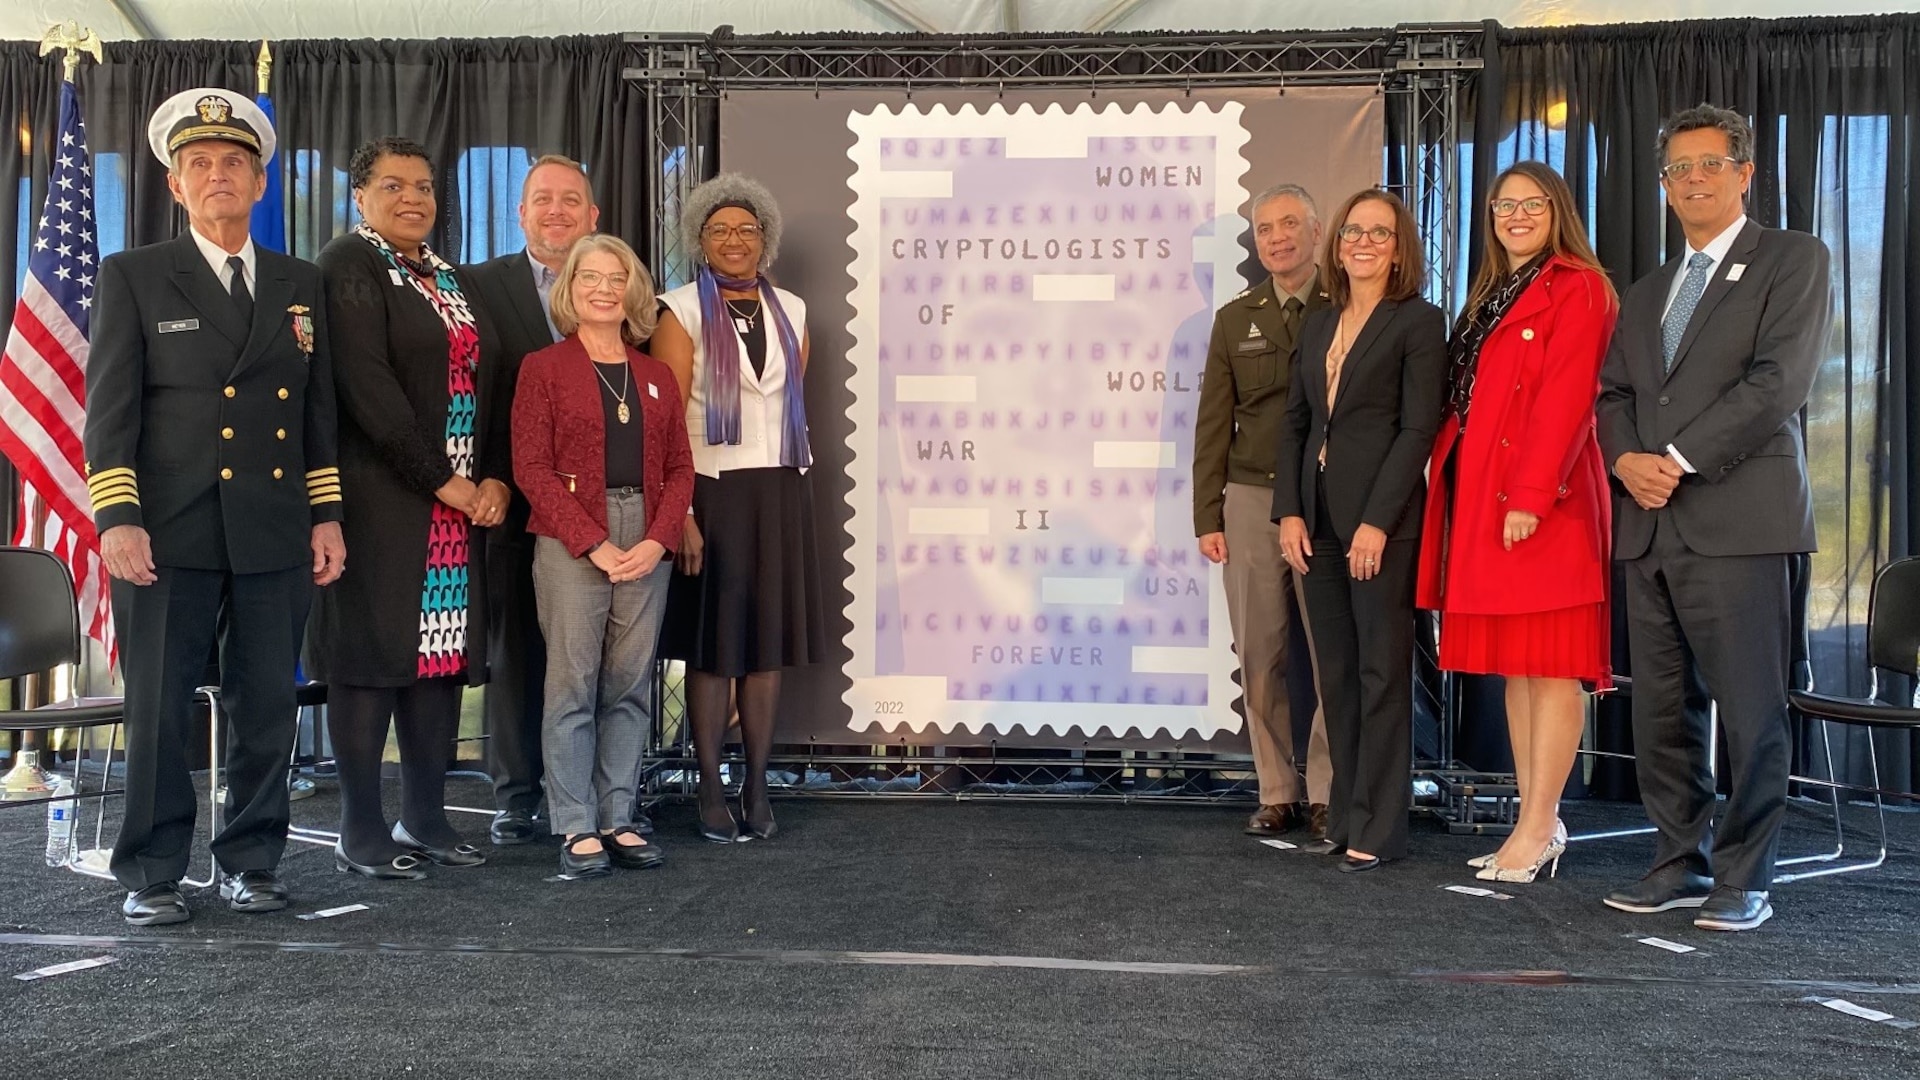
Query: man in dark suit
(1235, 438)
(1699, 420)
(556, 210)
(210, 444)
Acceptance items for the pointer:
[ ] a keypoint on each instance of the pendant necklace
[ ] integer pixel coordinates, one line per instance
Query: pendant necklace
(619, 396)
(743, 322)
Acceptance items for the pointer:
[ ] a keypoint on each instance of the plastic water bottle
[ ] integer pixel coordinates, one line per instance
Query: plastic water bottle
(60, 814)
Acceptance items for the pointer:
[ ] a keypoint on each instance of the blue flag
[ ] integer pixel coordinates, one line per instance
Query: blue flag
(270, 213)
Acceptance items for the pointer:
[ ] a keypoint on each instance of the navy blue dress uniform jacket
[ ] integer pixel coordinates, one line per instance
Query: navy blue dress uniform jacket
(215, 436)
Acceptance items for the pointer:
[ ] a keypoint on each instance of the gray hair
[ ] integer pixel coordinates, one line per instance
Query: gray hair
(1739, 134)
(703, 201)
(1283, 191)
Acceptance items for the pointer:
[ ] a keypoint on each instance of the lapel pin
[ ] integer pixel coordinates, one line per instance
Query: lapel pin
(653, 391)
(1734, 271)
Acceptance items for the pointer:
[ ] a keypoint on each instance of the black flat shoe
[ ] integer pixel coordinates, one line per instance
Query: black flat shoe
(252, 891)
(458, 855)
(1323, 847)
(598, 864)
(402, 868)
(1351, 865)
(156, 905)
(511, 827)
(631, 856)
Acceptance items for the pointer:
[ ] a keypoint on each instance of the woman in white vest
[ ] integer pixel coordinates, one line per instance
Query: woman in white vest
(747, 603)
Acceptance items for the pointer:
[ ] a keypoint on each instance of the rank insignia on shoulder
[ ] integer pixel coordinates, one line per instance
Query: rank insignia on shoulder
(1241, 295)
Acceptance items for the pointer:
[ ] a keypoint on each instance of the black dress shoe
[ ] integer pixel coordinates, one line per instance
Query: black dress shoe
(1323, 846)
(1671, 886)
(1351, 865)
(253, 890)
(156, 905)
(631, 856)
(597, 864)
(1317, 821)
(727, 834)
(1728, 908)
(642, 824)
(511, 827)
(402, 868)
(457, 855)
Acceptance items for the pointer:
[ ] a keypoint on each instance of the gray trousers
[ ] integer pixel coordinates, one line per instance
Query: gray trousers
(599, 690)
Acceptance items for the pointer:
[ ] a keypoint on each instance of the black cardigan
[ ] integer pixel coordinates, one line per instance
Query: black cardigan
(390, 370)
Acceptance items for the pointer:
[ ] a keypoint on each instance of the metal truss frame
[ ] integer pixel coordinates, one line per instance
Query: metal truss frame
(1423, 70)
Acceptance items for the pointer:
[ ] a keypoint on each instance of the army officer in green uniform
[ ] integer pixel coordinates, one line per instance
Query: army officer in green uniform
(1236, 439)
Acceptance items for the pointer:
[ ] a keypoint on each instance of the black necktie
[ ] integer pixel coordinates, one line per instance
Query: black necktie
(237, 288)
(1290, 316)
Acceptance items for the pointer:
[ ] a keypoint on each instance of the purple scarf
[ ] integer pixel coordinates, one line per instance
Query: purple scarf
(720, 346)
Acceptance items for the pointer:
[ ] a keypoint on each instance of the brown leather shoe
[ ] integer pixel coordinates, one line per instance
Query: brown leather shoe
(1317, 821)
(1271, 820)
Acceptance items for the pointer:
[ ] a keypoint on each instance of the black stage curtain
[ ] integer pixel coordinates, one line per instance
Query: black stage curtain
(483, 109)
(1834, 102)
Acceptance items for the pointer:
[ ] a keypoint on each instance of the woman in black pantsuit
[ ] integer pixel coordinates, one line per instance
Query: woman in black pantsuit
(423, 463)
(1369, 383)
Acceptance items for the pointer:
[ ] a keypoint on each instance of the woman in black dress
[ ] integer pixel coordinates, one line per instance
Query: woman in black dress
(423, 461)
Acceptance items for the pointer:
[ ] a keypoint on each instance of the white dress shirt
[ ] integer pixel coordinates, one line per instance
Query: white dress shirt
(1716, 250)
(217, 257)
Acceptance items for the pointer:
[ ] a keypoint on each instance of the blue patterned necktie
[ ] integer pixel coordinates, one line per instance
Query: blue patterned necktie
(1674, 326)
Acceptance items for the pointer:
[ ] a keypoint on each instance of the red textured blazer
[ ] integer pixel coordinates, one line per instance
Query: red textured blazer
(560, 446)
(1530, 447)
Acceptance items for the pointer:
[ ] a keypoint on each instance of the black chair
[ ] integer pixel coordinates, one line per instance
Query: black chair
(1893, 644)
(40, 631)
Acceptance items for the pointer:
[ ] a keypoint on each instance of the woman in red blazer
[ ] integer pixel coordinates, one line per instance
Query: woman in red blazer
(1515, 557)
(600, 451)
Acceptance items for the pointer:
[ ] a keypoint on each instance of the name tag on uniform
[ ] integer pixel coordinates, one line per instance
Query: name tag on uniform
(178, 326)
(1256, 345)
(395, 275)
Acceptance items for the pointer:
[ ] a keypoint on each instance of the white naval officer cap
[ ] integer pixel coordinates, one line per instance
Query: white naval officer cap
(208, 113)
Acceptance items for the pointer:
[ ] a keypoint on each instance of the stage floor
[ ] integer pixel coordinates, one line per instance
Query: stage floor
(1211, 956)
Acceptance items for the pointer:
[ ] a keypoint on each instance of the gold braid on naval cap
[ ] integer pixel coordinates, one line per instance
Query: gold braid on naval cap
(213, 119)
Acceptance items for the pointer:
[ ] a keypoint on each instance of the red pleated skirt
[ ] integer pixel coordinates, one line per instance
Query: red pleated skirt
(1566, 643)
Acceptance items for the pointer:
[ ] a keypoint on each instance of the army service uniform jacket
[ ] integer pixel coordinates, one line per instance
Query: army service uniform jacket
(1236, 434)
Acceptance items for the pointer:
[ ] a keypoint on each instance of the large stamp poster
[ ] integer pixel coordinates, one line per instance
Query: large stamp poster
(1032, 300)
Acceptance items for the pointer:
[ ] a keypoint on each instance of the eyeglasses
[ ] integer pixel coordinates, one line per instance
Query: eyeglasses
(1379, 234)
(720, 234)
(1504, 208)
(1708, 166)
(593, 279)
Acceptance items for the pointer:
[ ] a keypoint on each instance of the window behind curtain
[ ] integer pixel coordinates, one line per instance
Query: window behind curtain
(488, 179)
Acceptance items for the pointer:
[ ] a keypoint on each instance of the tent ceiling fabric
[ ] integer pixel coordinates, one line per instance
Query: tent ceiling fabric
(249, 19)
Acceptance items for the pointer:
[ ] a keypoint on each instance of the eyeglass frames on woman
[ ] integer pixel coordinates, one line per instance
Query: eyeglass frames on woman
(593, 279)
(1708, 166)
(1504, 208)
(720, 234)
(1379, 234)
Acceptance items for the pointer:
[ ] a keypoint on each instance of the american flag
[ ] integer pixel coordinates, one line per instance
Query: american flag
(43, 373)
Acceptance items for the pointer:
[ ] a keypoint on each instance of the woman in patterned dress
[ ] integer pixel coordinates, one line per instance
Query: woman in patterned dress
(424, 460)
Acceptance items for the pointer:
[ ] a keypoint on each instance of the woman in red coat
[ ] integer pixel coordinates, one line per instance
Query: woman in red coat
(1515, 556)
(600, 451)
